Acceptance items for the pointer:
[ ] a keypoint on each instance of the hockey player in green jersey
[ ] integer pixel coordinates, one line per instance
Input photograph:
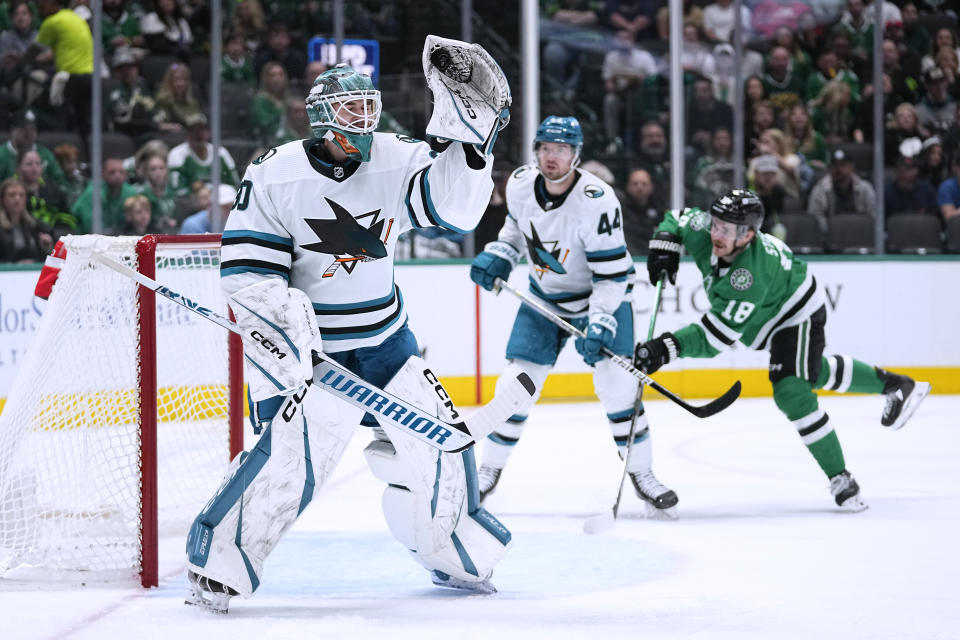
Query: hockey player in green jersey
(765, 298)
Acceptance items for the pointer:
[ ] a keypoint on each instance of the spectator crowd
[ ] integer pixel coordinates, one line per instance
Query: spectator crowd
(808, 87)
(807, 82)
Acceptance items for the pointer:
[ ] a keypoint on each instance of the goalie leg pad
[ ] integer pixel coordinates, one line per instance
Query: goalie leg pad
(431, 501)
(266, 490)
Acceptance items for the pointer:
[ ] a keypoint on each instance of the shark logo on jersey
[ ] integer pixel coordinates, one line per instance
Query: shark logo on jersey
(592, 191)
(544, 260)
(346, 240)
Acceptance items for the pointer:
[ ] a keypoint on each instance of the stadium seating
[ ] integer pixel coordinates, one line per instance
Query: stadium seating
(914, 233)
(804, 234)
(851, 233)
(117, 145)
(953, 234)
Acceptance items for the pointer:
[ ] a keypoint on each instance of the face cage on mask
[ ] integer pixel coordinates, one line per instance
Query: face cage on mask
(331, 107)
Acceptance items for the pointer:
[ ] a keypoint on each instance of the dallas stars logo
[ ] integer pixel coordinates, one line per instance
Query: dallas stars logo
(544, 260)
(346, 240)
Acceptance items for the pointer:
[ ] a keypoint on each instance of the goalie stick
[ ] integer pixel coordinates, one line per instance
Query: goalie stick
(603, 521)
(714, 406)
(339, 381)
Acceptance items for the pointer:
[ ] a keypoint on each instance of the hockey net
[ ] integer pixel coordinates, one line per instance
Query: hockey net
(123, 417)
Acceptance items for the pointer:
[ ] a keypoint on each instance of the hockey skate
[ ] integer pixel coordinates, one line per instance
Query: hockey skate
(902, 395)
(208, 594)
(487, 478)
(661, 502)
(482, 587)
(846, 492)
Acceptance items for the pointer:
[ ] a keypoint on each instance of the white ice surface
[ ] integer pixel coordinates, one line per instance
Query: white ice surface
(760, 551)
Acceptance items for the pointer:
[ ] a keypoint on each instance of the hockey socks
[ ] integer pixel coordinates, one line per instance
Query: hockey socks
(847, 375)
(828, 454)
(500, 443)
(798, 402)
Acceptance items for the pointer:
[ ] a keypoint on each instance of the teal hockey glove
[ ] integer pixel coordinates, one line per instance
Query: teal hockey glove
(495, 261)
(599, 334)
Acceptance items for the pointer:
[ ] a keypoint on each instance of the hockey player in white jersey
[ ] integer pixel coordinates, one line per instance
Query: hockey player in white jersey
(308, 254)
(568, 223)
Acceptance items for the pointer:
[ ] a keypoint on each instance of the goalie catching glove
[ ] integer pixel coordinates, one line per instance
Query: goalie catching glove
(279, 332)
(471, 96)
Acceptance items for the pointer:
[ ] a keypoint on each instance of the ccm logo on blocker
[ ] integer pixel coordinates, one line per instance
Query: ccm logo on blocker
(271, 348)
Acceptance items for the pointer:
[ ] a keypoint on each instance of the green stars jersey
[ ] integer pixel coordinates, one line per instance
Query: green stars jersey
(765, 289)
(186, 168)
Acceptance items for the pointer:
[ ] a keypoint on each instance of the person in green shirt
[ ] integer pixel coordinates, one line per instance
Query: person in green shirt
(765, 298)
(237, 68)
(192, 161)
(114, 192)
(120, 26)
(829, 68)
(23, 138)
(268, 107)
(152, 169)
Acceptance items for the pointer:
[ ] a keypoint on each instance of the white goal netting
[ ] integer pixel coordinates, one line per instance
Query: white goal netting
(73, 467)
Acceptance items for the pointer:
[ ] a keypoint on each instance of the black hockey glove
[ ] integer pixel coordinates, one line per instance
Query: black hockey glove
(664, 256)
(650, 356)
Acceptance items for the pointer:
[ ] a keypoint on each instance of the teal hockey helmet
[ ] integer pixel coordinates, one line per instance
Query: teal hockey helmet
(562, 129)
(344, 103)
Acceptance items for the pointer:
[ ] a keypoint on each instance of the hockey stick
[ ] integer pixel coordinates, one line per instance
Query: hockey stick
(714, 406)
(336, 379)
(603, 521)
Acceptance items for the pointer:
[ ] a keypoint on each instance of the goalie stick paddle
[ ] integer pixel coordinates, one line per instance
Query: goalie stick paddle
(603, 521)
(336, 379)
(705, 411)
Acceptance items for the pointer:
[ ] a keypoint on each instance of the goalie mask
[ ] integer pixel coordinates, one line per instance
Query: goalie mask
(343, 106)
(561, 130)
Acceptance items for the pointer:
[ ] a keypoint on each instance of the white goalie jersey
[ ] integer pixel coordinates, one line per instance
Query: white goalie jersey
(331, 229)
(574, 245)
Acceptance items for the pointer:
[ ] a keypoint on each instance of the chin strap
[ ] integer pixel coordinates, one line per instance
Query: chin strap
(573, 165)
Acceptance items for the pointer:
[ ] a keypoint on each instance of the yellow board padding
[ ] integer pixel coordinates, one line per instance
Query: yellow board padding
(559, 387)
(688, 384)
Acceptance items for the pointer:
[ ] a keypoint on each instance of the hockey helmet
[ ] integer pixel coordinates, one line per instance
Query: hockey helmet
(565, 130)
(741, 207)
(344, 104)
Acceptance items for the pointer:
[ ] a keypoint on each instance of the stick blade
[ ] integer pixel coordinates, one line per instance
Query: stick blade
(599, 523)
(718, 405)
